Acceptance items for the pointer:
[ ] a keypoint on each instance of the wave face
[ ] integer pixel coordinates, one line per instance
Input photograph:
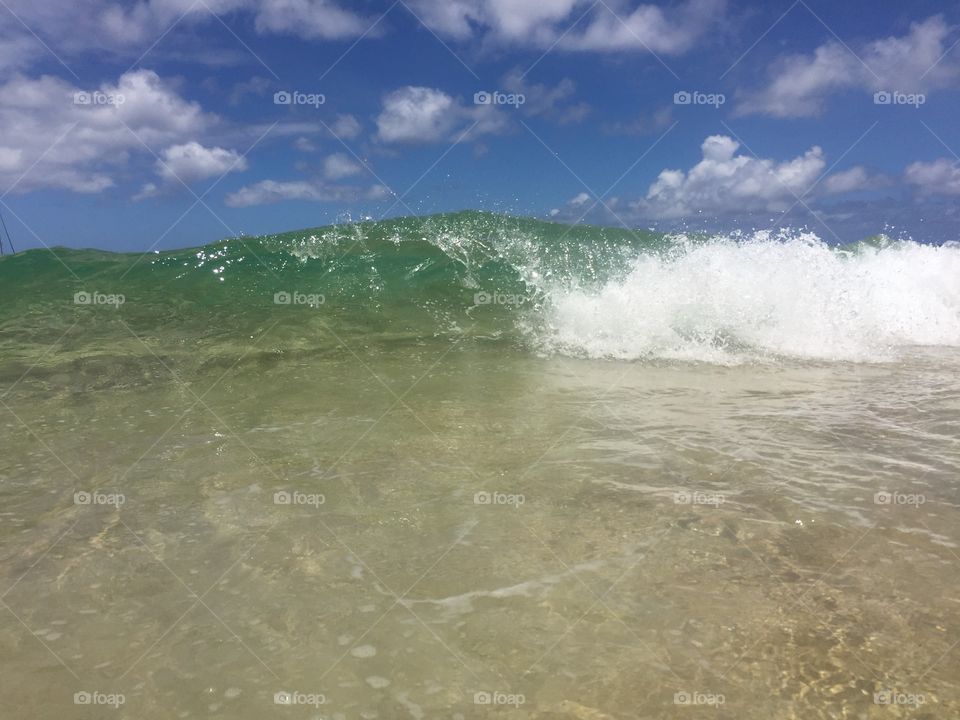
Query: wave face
(533, 286)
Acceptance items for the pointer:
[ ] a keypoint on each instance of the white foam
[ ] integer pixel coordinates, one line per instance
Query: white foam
(736, 299)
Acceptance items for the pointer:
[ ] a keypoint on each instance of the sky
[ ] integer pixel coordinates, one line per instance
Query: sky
(160, 124)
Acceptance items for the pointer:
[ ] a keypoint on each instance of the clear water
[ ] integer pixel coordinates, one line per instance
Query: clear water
(760, 538)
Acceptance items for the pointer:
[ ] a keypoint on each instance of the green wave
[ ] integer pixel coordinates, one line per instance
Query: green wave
(395, 280)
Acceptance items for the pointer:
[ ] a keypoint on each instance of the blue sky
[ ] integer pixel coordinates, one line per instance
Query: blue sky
(158, 124)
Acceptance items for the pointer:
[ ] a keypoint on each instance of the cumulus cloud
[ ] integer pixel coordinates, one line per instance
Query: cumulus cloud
(914, 63)
(544, 23)
(56, 135)
(415, 114)
(340, 165)
(192, 161)
(939, 177)
(272, 191)
(724, 182)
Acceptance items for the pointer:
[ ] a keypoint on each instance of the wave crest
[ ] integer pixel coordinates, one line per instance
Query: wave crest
(733, 298)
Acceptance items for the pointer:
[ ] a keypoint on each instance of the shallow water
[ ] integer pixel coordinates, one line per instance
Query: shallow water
(657, 532)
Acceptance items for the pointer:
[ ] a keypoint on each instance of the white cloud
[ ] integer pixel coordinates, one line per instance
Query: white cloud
(579, 200)
(80, 147)
(856, 178)
(345, 127)
(545, 23)
(939, 177)
(83, 26)
(340, 165)
(914, 63)
(148, 190)
(272, 191)
(414, 114)
(459, 19)
(192, 161)
(311, 19)
(725, 182)
(648, 27)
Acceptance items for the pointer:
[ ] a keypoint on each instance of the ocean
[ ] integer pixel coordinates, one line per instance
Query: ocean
(469, 466)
